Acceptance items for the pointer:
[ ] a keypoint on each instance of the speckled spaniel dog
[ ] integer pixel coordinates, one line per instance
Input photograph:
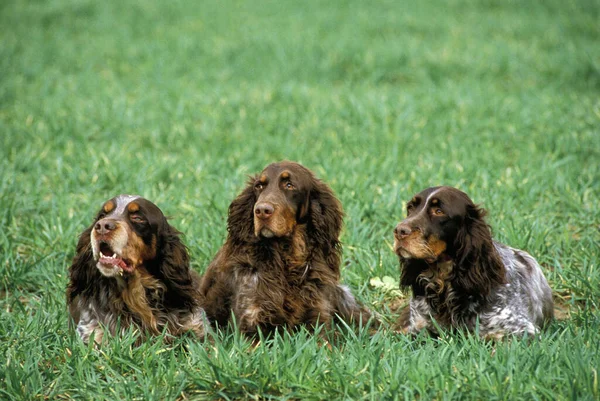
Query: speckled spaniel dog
(280, 265)
(132, 269)
(459, 276)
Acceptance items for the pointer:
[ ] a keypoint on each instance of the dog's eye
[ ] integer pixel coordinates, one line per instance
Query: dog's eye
(289, 185)
(136, 218)
(259, 186)
(438, 212)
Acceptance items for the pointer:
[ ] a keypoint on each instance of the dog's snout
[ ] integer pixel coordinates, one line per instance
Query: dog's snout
(105, 226)
(263, 210)
(402, 230)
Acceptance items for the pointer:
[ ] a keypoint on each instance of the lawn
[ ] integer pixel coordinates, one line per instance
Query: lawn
(181, 101)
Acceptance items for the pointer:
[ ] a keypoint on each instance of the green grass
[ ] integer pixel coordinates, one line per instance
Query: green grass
(180, 101)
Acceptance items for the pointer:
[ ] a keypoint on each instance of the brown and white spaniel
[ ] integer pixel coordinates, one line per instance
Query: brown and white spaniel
(131, 268)
(280, 265)
(460, 277)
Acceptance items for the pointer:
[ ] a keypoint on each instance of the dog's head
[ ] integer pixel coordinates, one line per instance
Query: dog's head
(282, 192)
(443, 224)
(283, 196)
(125, 234)
(433, 220)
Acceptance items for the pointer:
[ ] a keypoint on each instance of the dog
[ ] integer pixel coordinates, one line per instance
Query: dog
(279, 268)
(460, 277)
(131, 269)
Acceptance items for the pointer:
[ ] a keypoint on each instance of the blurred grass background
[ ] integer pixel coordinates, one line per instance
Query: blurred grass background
(180, 102)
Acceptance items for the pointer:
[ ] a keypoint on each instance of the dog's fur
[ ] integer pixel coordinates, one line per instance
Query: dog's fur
(131, 268)
(280, 265)
(460, 277)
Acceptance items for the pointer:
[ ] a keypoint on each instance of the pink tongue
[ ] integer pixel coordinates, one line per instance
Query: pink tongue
(116, 262)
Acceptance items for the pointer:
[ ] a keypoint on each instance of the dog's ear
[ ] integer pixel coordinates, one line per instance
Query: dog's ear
(304, 209)
(240, 222)
(83, 272)
(174, 265)
(478, 264)
(325, 222)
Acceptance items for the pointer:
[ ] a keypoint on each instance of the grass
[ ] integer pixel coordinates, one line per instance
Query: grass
(179, 102)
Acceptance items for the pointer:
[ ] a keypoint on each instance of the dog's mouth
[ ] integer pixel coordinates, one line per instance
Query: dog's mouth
(403, 253)
(266, 233)
(108, 257)
(264, 229)
(400, 248)
(278, 226)
(405, 250)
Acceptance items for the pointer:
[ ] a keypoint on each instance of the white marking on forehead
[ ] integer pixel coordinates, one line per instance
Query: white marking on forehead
(122, 202)
(432, 194)
(424, 210)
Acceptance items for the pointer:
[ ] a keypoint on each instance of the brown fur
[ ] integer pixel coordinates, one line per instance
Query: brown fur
(109, 206)
(460, 277)
(157, 291)
(453, 264)
(134, 296)
(290, 275)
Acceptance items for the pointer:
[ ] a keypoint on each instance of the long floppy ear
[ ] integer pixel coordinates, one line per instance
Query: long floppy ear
(82, 273)
(325, 223)
(240, 222)
(174, 266)
(478, 264)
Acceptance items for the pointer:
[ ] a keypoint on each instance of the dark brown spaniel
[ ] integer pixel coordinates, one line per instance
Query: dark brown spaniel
(131, 268)
(280, 264)
(460, 277)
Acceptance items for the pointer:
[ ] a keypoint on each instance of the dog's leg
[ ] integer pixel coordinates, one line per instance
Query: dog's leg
(415, 317)
(88, 325)
(350, 310)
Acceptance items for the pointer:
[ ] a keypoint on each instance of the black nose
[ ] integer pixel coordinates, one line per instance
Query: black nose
(263, 210)
(105, 225)
(402, 230)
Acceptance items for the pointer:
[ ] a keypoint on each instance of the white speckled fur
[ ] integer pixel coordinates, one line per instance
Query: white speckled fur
(520, 306)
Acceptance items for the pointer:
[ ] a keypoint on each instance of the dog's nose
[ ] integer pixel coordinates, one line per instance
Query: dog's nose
(402, 230)
(104, 226)
(263, 210)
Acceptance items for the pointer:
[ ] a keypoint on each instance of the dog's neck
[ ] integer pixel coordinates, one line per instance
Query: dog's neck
(436, 277)
(140, 292)
(436, 284)
(290, 253)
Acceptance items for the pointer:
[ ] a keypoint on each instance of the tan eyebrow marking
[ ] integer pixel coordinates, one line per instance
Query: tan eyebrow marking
(263, 179)
(133, 207)
(435, 201)
(285, 175)
(108, 206)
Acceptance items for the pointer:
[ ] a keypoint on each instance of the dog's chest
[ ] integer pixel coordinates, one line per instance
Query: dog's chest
(437, 289)
(265, 298)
